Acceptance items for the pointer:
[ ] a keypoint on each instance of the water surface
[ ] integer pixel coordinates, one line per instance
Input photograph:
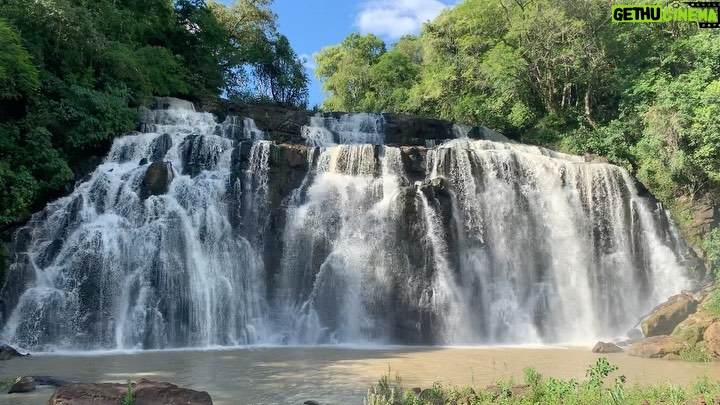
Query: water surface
(332, 375)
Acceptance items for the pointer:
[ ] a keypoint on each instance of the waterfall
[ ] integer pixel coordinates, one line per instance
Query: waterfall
(193, 234)
(112, 270)
(345, 129)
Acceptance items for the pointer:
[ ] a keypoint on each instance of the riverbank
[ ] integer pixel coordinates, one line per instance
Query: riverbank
(334, 375)
(604, 383)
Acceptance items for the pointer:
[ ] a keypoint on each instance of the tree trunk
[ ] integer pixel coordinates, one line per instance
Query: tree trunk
(588, 106)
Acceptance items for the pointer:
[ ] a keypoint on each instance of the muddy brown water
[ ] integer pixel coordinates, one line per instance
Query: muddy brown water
(331, 375)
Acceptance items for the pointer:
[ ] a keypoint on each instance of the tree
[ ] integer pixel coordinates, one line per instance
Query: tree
(344, 71)
(281, 74)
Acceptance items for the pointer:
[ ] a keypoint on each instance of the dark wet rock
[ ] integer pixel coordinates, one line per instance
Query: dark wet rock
(160, 146)
(157, 179)
(413, 159)
(666, 316)
(285, 125)
(145, 393)
(279, 124)
(167, 103)
(22, 384)
(657, 347)
(50, 381)
(606, 347)
(311, 402)
(143, 162)
(412, 130)
(7, 352)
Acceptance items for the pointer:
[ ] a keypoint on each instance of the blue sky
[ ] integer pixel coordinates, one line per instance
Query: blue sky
(312, 24)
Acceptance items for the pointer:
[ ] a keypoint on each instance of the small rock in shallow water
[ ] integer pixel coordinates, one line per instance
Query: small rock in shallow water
(22, 384)
(311, 402)
(609, 347)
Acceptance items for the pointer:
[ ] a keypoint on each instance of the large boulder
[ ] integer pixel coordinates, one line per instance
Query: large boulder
(691, 330)
(157, 179)
(711, 335)
(666, 316)
(22, 384)
(8, 352)
(657, 347)
(145, 393)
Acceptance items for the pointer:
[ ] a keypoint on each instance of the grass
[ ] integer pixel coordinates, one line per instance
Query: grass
(596, 388)
(694, 354)
(6, 384)
(129, 397)
(713, 303)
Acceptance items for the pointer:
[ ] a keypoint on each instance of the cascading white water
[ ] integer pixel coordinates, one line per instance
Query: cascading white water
(542, 233)
(162, 272)
(346, 129)
(499, 243)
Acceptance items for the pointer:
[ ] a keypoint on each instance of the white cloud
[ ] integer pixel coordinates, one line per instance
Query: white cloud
(309, 61)
(392, 19)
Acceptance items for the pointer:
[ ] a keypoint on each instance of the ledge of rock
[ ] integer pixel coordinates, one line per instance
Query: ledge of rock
(666, 316)
(284, 125)
(145, 392)
(8, 352)
(657, 347)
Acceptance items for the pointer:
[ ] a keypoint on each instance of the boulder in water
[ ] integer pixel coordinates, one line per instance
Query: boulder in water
(666, 316)
(160, 146)
(157, 179)
(8, 352)
(145, 392)
(22, 384)
(606, 347)
(657, 347)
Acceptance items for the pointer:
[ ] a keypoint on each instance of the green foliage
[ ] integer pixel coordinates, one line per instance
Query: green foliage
(712, 303)
(73, 72)
(557, 74)
(344, 70)
(129, 397)
(694, 354)
(18, 75)
(599, 371)
(539, 390)
(711, 246)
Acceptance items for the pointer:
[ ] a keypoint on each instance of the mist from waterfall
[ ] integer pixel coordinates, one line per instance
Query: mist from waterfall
(499, 243)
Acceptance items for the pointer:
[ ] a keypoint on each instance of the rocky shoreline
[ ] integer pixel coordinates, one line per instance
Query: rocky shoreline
(685, 327)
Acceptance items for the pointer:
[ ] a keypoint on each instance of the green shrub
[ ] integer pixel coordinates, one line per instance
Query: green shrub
(711, 246)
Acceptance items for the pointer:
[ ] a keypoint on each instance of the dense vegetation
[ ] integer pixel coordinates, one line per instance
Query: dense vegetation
(596, 388)
(73, 72)
(557, 73)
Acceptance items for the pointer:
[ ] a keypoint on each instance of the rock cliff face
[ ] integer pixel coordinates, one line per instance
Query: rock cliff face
(268, 225)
